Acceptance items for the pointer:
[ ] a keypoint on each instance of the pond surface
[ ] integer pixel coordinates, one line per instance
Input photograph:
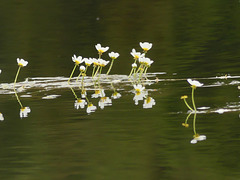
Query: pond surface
(122, 140)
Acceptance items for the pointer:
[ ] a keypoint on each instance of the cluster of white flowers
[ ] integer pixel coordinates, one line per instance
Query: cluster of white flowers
(98, 64)
(144, 63)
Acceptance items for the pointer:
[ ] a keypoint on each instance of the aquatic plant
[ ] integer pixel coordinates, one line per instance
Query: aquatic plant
(24, 110)
(196, 137)
(194, 84)
(113, 56)
(77, 60)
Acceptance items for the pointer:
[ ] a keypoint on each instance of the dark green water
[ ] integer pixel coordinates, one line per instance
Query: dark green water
(191, 39)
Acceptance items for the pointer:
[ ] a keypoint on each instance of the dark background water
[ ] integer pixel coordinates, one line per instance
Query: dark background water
(191, 39)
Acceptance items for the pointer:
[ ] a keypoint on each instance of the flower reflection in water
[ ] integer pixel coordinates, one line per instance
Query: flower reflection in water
(1, 117)
(149, 102)
(98, 93)
(91, 108)
(104, 101)
(196, 137)
(24, 111)
(116, 95)
(80, 103)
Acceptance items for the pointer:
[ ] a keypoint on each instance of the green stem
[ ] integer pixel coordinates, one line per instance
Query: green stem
(140, 75)
(194, 123)
(74, 93)
(72, 73)
(110, 67)
(15, 85)
(139, 68)
(130, 73)
(87, 100)
(96, 71)
(94, 67)
(187, 104)
(99, 73)
(145, 72)
(193, 102)
(188, 117)
(79, 76)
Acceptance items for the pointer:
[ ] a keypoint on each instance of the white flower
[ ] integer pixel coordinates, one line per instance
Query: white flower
(82, 68)
(91, 108)
(145, 46)
(113, 55)
(0, 71)
(98, 93)
(116, 95)
(148, 103)
(95, 62)
(88, 61)
(80, 103)
(78, 60)
(24, 112)
(146, 61)
(102, 62)
(22, 62)
(134, 65)
(136, 55)
(101, 49)
(104, 101)
(1, 117)
(139, 96)
(194, 83)
(138, 88)
(197, 138)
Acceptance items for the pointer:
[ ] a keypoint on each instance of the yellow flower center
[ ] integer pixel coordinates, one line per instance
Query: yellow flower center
(136, 57)
(103, 99)
(79, 100)
(145, 49)
(184, 97)
(100, 51)
(97, 92)
(148, 100)
(185, 125)
(138, 91)
(196, 135)
(77, 62)
(20, 64)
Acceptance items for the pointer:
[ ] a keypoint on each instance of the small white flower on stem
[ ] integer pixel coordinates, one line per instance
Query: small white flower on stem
(194, 83)
(22, 62)
(145, 46)
(77, 60)
(113, 55)
(101, 49)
